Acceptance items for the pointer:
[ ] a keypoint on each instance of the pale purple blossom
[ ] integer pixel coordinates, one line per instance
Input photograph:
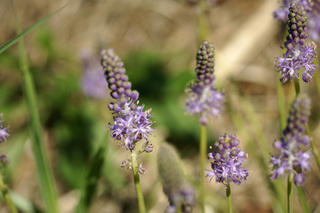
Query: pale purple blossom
(291, 158)
(227, 159)
(93, 82)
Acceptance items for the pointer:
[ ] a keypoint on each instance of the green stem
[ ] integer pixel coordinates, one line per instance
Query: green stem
(7, 197)
(203, 158)
(290, 194)
(228, 193)
(297, 86)
(202, 21)
(44, 172)
(135, 168)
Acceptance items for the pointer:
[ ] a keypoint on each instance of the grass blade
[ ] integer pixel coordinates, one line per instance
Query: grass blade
(28, 30)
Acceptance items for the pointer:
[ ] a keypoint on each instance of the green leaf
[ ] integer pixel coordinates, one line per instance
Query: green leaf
(32, 27)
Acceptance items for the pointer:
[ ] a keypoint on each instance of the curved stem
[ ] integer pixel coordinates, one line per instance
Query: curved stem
(6, 194)
(228, 193)
(135, 168)
(203, 157)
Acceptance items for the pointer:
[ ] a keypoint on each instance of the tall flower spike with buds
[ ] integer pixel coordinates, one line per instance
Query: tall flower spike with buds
(131, 122)
(227, 159)
(179, 191)
(203, 97)
(312, 8)
(299, 54)
(292, 159)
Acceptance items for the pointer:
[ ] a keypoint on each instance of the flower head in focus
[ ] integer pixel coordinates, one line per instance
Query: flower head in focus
(292, 159)
(204, 99)
(131, 122)
(299, 54)
(175, 185)
(93, 82)
(227, 159)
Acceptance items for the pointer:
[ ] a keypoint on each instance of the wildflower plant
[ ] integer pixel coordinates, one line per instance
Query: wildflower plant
(298, 53)
(204, 100)
(226, 165)
(131, 123)
(175, 185)
(292, 159)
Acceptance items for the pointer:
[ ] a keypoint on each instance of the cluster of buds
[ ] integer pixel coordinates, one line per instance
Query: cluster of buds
(204, 99)
(313, 12)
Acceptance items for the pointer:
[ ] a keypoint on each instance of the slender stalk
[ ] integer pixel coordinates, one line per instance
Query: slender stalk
(203, 157)
(290, 194)
(202, 21)
(228, 193)
(142, 208)
(297, 86)
(44, 172)
(7, 197)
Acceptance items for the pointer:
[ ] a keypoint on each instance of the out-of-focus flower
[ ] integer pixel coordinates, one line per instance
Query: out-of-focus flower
(131, 122)
(3, 137)
(179, 191)
(227, 159)
(3, 130)
(313, 11)
(93, 82)
(299, 54)
(204, 99)
(292, 159)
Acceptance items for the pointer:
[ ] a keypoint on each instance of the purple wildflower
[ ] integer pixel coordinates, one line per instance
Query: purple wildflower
(93, 82)
(292, 158)
(179, 191)
(204, 99)
(3, 130)
(131, 122)
(299, 54)
(227, 159)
